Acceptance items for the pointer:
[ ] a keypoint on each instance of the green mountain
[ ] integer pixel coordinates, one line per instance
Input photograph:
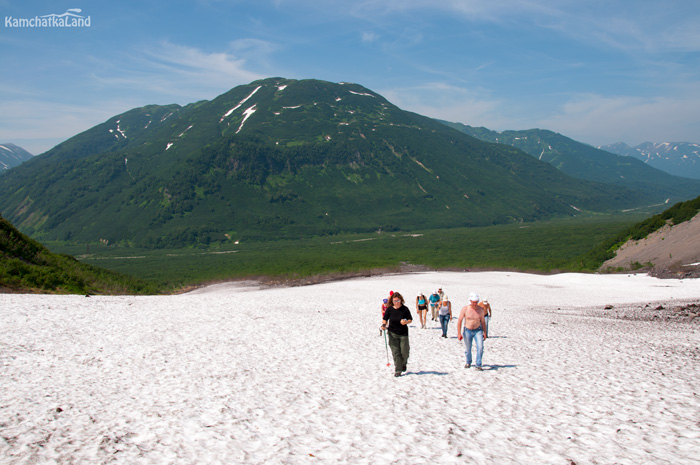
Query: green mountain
(586, 162)
(27, 266)
(284, 158)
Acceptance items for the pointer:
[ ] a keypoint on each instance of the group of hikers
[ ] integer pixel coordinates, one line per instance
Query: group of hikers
(472, 324)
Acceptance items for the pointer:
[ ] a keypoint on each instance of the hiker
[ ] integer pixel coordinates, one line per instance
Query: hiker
(396, 320)
(487, 313)
(434, 299)
(472, 316)
(387, 302)
(445, 314)
(422, 309)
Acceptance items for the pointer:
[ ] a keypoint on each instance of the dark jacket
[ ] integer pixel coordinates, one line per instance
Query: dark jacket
(393, 317)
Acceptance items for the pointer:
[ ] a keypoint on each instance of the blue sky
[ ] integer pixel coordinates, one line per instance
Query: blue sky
(598, 71)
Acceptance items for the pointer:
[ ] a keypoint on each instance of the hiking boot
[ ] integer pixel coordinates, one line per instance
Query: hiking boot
(397, 374)
(467, 365)
(479, 369)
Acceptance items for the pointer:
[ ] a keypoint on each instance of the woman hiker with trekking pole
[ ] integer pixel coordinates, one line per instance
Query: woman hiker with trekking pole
(396, 319)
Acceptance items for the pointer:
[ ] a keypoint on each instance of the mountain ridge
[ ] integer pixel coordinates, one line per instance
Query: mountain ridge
(587, 162)
(12, 155)
(676, 158)
(283, 158)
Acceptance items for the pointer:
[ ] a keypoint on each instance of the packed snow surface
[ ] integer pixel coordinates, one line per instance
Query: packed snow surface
(237, 373)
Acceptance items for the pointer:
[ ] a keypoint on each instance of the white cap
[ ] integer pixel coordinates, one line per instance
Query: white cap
(474, 297)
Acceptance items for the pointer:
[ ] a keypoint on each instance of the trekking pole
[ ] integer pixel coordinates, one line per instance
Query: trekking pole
(387, 349)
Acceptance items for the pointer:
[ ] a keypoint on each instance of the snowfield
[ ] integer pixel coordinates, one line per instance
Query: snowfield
(234, 373)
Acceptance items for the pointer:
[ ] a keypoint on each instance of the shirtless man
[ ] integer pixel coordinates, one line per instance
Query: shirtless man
(474, 329)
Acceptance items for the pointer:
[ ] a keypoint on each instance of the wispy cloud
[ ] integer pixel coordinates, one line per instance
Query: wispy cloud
(368, 37)
(601, 120)
(173, 73)
(38, 124)
(647, 25)
(163, 73)
(450, 103)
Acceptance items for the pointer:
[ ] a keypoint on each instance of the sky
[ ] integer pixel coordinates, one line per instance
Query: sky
(597, 71)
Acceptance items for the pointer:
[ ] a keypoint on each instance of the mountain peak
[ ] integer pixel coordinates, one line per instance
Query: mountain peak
(12, 155)
(677, 158)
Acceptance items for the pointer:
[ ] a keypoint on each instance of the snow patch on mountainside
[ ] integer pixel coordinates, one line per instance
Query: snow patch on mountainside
(228, 113)
(677, 158)
(183, 132)
(246, 115)
(361, 93)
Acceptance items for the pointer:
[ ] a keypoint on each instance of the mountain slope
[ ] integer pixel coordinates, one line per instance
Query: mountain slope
(12, 155)
(676, 158)
(667, 244)
(586, 162)
(282, 158)
(674, 247)
(27, 266)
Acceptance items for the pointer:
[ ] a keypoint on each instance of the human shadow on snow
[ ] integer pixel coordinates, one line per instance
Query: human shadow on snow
(497, 367)
(438, 373)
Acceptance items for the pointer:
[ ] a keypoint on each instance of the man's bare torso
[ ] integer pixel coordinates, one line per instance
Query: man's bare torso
(472, 316)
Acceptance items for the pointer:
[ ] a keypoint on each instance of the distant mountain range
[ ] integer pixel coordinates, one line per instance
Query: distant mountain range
(677, 158)
(12, 155)
(286, 158)
(584, 161)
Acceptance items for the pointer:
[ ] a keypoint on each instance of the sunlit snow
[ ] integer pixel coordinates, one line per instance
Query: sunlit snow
(239, 104)
(246, 115)
(363, 93)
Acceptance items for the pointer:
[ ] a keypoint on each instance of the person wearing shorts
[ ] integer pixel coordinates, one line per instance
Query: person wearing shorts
(422, 309)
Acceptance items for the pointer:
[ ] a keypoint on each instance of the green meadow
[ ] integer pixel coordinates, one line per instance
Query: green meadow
(557, 245)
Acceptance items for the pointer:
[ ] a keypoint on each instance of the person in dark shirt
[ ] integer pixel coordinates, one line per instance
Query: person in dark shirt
(396, 319)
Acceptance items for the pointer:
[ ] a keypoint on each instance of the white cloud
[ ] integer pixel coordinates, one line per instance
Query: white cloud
(600, 120)
(172, 73)
(162, 74)
(649, 25)
(470, 9)
(450, 103)
(188, 71)
(38, 125)
(588, 118)
(369, 37)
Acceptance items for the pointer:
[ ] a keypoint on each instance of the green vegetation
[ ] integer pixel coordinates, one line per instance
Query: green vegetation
(678, 213)
(315, 159)
(586, 162)
(540, 247)
(27, 266)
